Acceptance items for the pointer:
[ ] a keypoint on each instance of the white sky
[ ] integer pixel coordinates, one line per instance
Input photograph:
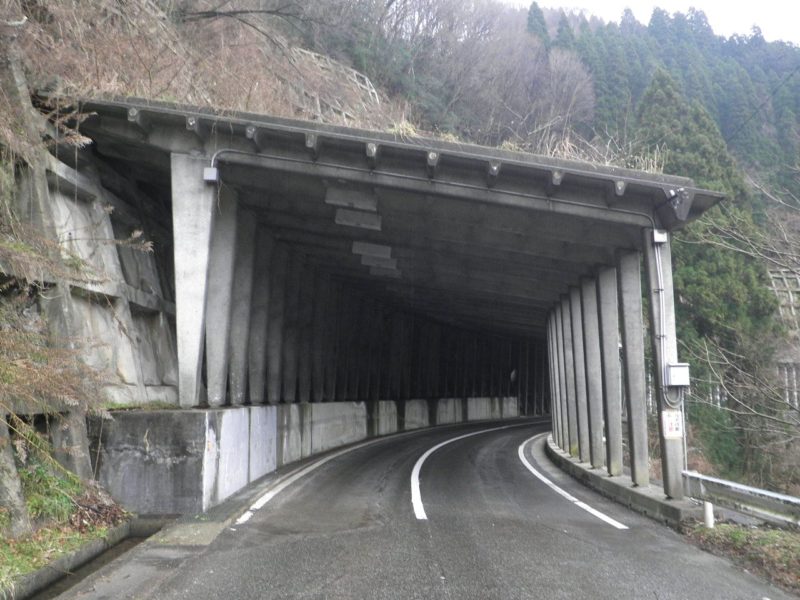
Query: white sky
(778, 19)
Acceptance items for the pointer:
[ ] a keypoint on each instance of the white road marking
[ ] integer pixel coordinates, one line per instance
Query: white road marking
(416, 496)
(562, 492)
(282, 484)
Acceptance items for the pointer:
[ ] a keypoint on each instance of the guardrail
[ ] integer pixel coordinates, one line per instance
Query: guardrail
(756, 502)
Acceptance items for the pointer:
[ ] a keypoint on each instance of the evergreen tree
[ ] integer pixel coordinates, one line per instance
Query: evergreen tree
(565, 37)
(536, 23)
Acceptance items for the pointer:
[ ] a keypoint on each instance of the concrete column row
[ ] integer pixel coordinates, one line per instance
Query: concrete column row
(595, 341)
(257, 322)
(585, 335)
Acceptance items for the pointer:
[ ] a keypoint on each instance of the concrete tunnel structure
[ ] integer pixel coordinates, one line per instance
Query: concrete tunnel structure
(331, 284)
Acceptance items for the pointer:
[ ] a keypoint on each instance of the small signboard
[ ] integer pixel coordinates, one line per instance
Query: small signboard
(672, 424)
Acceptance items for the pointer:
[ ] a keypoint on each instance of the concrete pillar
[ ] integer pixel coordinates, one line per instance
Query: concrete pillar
(580, 374)
(377, 352)
(665, 352)
(319, 340)
(193, 202)
(305, 333)
(608, 313)
(294, 277)
(331, 338)
(218, 301)
(569, 372)
(344, 349)
(552, 353)
(594, 371)
(240, 307)
(562, 378)
(277, 303)
(630, 297)
(259, 317)
(354, 361)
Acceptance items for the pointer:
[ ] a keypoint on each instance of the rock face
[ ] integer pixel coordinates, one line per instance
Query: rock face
(118, 316)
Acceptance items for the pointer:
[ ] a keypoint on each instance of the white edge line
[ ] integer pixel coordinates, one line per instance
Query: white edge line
(416, 495)
(564, 493)
(287, 481)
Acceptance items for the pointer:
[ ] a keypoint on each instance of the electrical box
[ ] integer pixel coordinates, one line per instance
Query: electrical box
(660, 236)
(678, 375)
(210, 174)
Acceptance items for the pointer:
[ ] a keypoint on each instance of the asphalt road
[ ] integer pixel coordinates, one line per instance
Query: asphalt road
(493, 530)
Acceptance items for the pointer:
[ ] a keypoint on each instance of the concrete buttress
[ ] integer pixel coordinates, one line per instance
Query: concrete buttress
(218, 300)
(259, 317)
(193, 201)
(240, 309)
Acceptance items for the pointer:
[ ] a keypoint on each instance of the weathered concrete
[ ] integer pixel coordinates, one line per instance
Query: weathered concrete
(448, 410)
(152, 461)
(510, 408)
(569, 366)
(218, 301)
(665, 351)
(263, 450)
(240, 309)
(307, 301)
(646, 500)
(630, 299)
(259, 318)
(385, 418)
(416, 414)
(608, 312)
(336, 424)
(192, 218)
(582, 413)
(277, 303)
(226, 463)
(594, 371)
(292, 429)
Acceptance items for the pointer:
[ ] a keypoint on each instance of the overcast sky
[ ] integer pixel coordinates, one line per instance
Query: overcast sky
(778, 19)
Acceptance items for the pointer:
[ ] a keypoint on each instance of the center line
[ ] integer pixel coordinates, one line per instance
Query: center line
(416, 496)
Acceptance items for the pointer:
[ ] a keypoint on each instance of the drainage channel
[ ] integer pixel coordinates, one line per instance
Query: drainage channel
(141, 530)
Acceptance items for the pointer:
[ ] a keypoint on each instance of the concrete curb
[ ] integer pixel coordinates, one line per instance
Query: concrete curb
(28, 585)
(649, 501)
(35, 582)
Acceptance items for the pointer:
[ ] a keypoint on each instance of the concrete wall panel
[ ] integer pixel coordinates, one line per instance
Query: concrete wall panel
(233, 435)
(416, 414)
(335, 424)
(263, 441)
(479, 409)
(448, 410)
(386, 415)
(152, 462)
(510, 408)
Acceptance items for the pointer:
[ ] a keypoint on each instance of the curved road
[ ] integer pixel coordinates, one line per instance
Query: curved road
(348, 529)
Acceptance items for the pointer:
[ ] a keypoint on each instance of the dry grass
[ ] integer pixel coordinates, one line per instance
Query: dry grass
(110, 48)
(771, 553)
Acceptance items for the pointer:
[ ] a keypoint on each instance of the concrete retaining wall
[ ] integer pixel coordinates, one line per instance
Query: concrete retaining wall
(448, 410)
(416, 414)
(385, 417)
(186, 461)
(335, 424)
